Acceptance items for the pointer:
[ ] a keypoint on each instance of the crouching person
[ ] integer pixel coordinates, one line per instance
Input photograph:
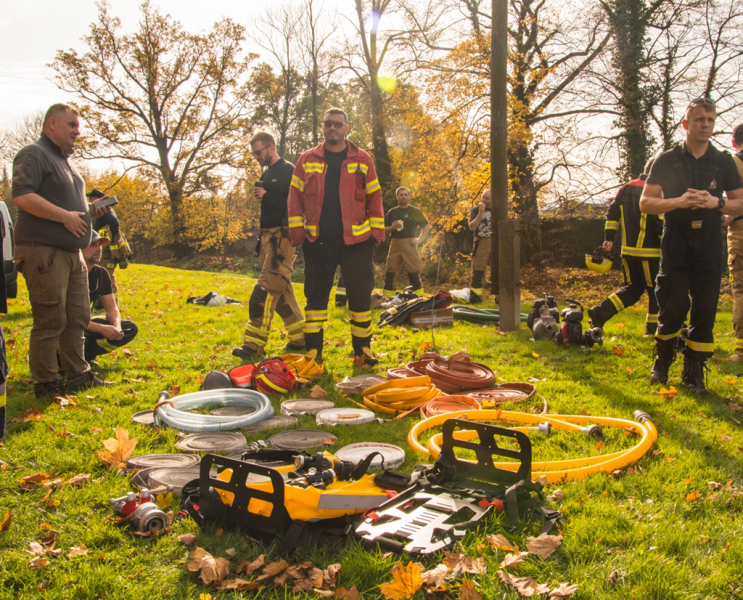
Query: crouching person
(103, 335)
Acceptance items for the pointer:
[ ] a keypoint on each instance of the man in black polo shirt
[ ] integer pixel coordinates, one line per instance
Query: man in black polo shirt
(273, 292)
(52, 226)
(408, 227)
(687, 185)
(103, 335)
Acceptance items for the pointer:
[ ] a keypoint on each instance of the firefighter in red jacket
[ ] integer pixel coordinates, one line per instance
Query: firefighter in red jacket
(336, 213)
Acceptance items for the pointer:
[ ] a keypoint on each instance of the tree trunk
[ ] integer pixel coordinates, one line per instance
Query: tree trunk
(175, 193)
(524, 190)
(387, 179)
(628, 22)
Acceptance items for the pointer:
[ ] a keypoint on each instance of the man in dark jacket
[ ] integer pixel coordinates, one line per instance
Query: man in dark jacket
(687, 184)
(273, 292)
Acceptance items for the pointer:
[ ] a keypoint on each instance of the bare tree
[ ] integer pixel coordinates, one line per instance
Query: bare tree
(25, 132)
(162, 99)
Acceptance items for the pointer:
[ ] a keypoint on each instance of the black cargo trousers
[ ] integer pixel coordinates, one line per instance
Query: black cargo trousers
(321, 258)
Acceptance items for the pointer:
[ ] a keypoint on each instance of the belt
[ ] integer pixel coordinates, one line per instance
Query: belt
(34, 244)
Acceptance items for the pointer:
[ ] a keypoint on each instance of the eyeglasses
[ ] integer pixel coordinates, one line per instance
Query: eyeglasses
(702, 101)
(336, 124)
(258, 152)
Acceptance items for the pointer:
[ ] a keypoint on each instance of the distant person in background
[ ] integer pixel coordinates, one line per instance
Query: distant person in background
(687, 185)
(408, 228)
(640, 254)
(481, 224)
(273, 293)
(103, 335)
(53, 225)
(117, 252)
(735, 253)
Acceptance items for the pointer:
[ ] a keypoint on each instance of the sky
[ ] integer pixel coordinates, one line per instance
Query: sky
(31, 34)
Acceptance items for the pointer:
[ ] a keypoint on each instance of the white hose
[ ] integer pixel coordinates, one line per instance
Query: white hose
(176, 416)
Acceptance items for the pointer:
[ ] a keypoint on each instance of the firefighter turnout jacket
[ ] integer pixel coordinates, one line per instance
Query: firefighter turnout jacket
(360, 196)
(641, 232)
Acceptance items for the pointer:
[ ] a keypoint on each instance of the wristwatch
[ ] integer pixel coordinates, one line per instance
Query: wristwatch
(721, 203)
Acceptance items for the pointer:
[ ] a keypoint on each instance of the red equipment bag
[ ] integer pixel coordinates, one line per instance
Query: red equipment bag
(274, 377)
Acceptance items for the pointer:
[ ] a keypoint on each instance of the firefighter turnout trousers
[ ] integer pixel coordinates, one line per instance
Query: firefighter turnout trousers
(403, 253)
(690, 266)
(321, 259)
(96, 344)
(735, 264)
(274, 293)
(480, 261)
(639, 277)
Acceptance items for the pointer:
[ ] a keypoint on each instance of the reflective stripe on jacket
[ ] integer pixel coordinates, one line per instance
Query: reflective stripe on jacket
(360, 194)
(640, 232)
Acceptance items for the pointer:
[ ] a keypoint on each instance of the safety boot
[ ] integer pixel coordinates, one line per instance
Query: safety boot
(664, 354)
(247, 353)
(49, 389)
(86, 381)
(363, 357)
(596, 321)
(692, 376)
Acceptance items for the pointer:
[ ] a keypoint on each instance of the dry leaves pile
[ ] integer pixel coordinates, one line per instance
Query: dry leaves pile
(119, 449)
(304, 577)
(406, 581)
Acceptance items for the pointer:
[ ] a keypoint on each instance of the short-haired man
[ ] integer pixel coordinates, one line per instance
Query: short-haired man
(103, 335)
(640, 253)
(335, 212)
(408, 228)
(687, 184)
(735, 253)
(273, 291)
(52, 227)
(481, 224)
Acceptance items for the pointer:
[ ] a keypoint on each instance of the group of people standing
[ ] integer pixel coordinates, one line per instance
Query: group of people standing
(672, 246)
(331, 204)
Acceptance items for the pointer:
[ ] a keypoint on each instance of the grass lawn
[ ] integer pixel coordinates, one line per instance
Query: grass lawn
(663, 540)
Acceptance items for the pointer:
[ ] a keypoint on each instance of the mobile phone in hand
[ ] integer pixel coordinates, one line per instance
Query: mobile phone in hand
(110, 201)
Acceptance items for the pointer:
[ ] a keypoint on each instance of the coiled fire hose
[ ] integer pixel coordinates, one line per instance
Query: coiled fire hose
(399, 395)
(554, 471)
(303, 365)
(457, 373)
(480, 315)
(448, 404)
(174, 412)
(450, 375)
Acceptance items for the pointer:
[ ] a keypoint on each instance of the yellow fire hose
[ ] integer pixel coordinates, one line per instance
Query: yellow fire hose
(554, 471)
(399, 395)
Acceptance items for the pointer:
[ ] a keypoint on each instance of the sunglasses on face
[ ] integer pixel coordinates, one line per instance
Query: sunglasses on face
(336, 124)
(258, 152)
(702, 101)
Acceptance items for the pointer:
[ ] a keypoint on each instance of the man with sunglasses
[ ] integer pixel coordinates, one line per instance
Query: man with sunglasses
(335, 212)
(273, 291)
(687, 184)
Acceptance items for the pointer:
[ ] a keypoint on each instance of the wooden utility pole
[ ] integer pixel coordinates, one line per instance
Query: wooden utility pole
(505, 258)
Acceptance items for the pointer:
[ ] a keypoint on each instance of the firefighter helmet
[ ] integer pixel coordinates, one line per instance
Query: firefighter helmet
(274, 377)
(597, 262)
